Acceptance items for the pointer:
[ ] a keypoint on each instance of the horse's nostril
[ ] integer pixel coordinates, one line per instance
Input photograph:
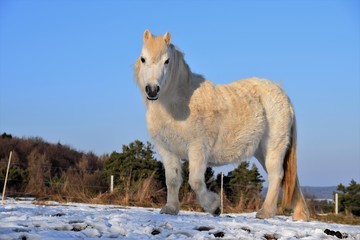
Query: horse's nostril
(157, 89)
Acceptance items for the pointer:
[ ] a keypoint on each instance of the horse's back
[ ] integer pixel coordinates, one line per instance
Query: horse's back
(272, 97)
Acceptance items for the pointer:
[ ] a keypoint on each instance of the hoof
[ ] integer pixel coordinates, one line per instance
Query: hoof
(217, 212)
(261, 214)
(211, 203)
(169, 210)
(301, 216)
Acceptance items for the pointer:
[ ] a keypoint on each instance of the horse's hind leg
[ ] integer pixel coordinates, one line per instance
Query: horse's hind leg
(209, 201)
(173, 176)
(274, 167)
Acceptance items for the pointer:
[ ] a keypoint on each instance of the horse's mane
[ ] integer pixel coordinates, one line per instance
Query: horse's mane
(179, 66)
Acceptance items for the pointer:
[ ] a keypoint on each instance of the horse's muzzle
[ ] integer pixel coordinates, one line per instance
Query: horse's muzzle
(152, 92)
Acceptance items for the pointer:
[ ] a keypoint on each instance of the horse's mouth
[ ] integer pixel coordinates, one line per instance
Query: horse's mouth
(152, 98)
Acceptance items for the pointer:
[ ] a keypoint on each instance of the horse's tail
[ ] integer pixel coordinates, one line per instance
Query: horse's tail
(290, 170)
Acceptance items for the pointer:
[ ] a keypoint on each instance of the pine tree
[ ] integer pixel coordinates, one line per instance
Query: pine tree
(349, 199)
(134, 164)
(243, 186)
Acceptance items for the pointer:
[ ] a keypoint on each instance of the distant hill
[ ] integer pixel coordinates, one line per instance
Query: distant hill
(316, 192)
(319, 192)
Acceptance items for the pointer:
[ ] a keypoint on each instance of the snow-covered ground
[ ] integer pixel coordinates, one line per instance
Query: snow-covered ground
(21, 219)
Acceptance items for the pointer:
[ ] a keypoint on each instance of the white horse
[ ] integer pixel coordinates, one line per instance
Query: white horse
(188, 117)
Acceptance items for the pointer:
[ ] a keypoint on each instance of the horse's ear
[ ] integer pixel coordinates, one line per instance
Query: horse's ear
(167, 38)
(147, 35)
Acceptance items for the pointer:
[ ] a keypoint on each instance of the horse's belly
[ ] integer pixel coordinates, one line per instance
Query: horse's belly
(231, 154)
(236, 145)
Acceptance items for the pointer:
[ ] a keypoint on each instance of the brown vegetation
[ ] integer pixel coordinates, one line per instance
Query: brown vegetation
(337, 218)
(58, 172)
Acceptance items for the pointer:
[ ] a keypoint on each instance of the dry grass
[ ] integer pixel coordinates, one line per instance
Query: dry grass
(147, 193)
(189, 202)
(337, 218)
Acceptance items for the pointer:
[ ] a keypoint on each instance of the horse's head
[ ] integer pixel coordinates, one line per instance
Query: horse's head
(152, 67)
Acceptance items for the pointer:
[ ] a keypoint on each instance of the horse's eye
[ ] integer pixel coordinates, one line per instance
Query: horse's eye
(142, 60)
(167, 61)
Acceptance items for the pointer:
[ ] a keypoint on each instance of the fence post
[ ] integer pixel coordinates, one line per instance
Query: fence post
(111, 183)
(336, 203)
(6, 177)
(222, 193)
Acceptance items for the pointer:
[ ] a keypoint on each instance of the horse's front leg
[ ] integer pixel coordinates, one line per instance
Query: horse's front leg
(209, 201)
(173, 175)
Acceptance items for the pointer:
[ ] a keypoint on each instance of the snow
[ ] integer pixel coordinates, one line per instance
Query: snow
(22, 219)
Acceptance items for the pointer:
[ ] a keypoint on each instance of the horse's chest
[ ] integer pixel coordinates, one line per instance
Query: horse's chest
(170, 134)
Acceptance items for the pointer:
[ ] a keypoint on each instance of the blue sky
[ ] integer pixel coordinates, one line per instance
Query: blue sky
(66, 69)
